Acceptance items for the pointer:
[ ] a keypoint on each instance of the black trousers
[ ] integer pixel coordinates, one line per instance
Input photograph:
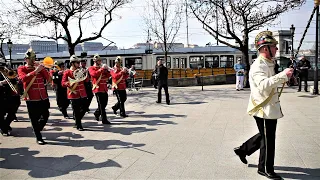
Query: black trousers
(89, 92)
(304, 78)
(165, 87)
(62, 100)
(265, 141)
(3, 127)
(122, 97)
(39, 114)
(102, 99)
(79, 110)
(13, 103)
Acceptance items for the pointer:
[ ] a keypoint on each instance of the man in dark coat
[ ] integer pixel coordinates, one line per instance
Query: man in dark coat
(303, 67)
(162, 74)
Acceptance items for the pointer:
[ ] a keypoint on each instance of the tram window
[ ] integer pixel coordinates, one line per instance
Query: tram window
(196, 62)
(226, 61)
(165, 63)
(112, 62)
(212, 61)
(183, 62)
(137, 62)
(175, 62)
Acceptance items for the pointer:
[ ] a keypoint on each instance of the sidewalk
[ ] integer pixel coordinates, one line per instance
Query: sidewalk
(193, 138)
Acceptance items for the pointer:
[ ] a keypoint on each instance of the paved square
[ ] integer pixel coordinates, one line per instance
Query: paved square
(193, 138)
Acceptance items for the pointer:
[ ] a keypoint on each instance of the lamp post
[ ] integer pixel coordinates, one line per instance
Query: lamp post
(292, 29)
(9, 43)
(315, 82)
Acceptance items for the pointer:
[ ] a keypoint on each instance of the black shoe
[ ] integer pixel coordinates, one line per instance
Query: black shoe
(241, 155)
(158, 102)
(124, 115)
(114, 110)
(272, 175)
(5, 133)
(97, 117)
(41, 142)
(168, 102)
(238, 90)
(80, 128)
(106, 122)
(299, 90)
(306, 91)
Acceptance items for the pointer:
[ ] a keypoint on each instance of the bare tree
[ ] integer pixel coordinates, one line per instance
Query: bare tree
(237, 18)
(164, 20)
(64, 12)
(7, 29)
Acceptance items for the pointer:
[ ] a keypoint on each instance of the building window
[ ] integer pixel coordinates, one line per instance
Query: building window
(212, 61)
(226, 61)
(196, 61)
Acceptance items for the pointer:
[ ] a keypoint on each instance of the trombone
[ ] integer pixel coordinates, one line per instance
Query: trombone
(8, 80)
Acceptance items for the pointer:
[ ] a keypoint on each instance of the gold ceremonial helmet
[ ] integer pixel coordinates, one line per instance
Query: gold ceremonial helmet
(96, 57)
(118, 59)
(30, 54)
(264, 38)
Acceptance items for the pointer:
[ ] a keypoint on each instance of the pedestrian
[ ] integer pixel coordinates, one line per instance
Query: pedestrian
(239, 68)
(264, 105)
(162, 75)
(303, 68)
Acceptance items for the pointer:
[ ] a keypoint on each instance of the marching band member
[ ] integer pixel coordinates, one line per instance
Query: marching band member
(3, 127)
(264, 104)
(13, 99)
(119, 76)
(87, 85)
(61, 92)
(35, 94)
(76, 91)
(99, 76)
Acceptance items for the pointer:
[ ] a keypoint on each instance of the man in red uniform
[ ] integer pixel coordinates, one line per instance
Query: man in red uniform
(76, 91)
(87, 85)
(99, 77)
(119, 77)
(35, 93)
(61, 92)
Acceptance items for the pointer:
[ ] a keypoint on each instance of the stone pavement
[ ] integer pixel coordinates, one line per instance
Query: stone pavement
(193, 138)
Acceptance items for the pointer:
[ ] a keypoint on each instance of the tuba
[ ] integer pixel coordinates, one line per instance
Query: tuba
(79, 75)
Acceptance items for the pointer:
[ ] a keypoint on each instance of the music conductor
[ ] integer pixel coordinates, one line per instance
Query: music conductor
(264, 104)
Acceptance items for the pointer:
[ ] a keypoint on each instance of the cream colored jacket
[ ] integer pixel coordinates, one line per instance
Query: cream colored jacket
(262, 81)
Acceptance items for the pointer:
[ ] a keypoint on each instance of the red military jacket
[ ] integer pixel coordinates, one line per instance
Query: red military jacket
(75, 91)
(116, 75)
(37, 90)
(95, 73)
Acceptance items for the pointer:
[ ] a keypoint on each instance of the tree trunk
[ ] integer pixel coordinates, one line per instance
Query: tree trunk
(1, 51)
(245, 55)
(71, 49)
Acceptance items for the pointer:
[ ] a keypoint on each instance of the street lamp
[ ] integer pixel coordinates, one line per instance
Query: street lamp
(292, 28)
(9, 44)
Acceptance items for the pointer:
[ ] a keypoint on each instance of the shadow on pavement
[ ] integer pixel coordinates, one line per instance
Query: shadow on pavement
(22, 158)
(292, 172)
